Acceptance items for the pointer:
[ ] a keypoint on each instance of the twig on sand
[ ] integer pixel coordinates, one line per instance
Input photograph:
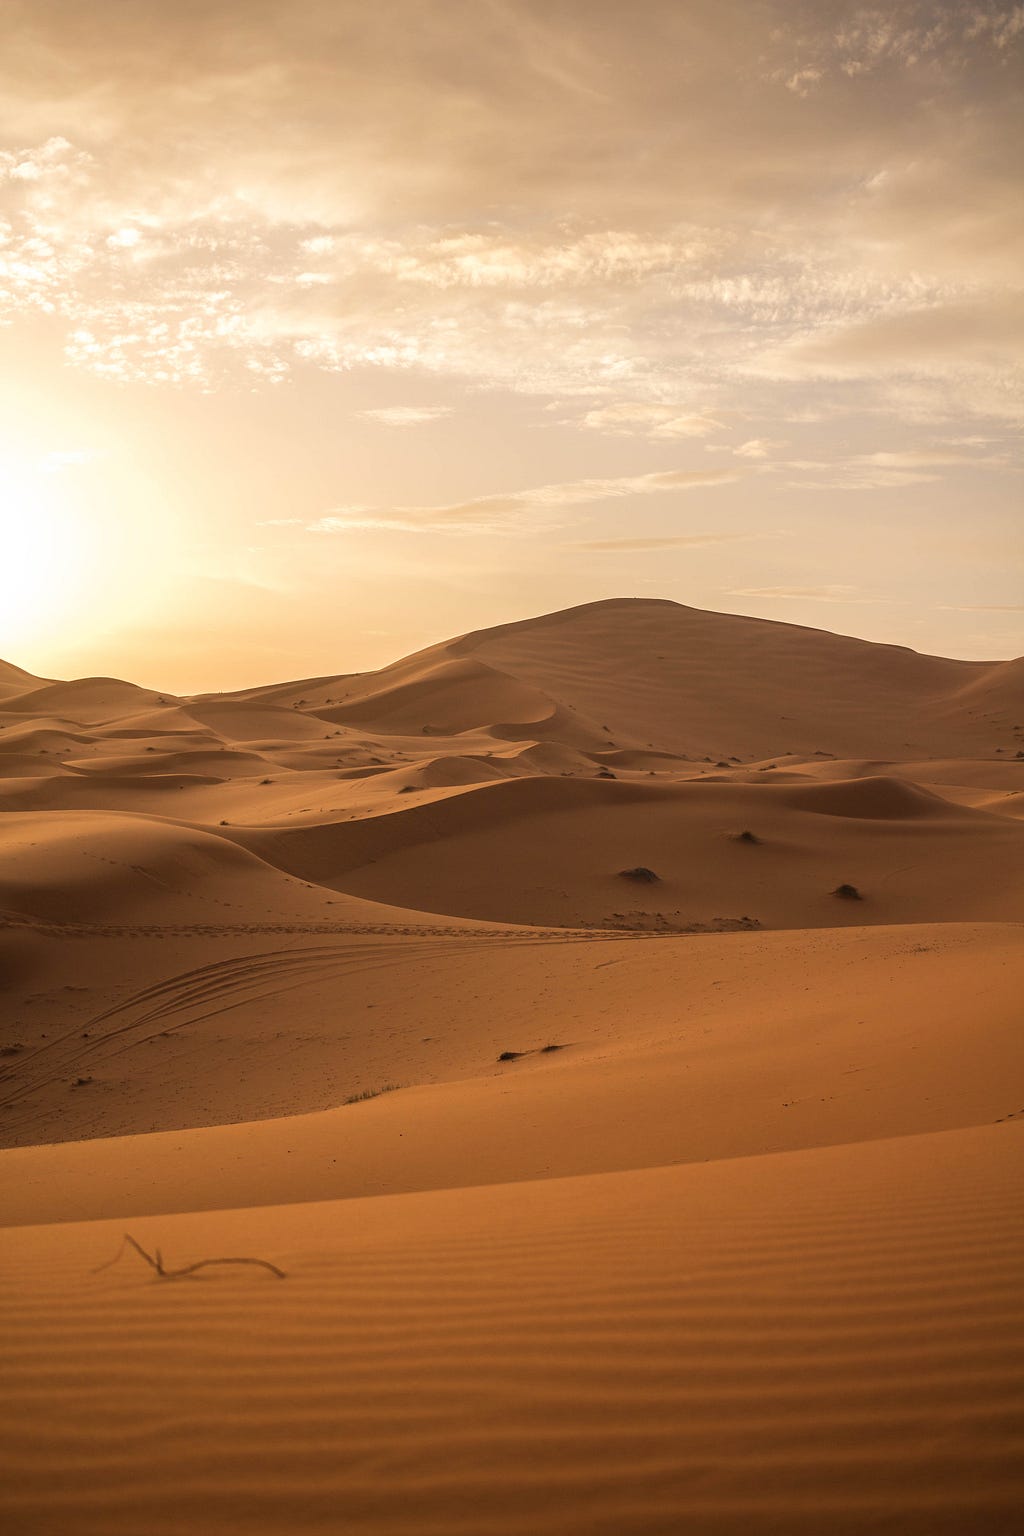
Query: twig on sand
(156, 1262)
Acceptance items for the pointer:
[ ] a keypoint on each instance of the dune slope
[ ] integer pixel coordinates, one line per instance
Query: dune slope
(822, 1340)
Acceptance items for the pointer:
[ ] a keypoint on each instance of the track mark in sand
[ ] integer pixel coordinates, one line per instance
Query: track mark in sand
(181, 1000)
(193, 997)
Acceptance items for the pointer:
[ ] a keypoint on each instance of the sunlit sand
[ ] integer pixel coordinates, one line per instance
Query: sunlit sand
(610, 1026)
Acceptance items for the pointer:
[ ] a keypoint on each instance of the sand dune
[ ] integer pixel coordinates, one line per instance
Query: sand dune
(751, 687)
(561, 847)
(822, 1340)
(88, 700)
(637, 992)
(94, 867)
(720, 1046)
(14, 681)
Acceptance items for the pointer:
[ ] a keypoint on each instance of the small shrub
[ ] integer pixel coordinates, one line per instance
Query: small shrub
(372, 1093)
(747, 837)
(511, 1055)
(848, 892)
(641, 874)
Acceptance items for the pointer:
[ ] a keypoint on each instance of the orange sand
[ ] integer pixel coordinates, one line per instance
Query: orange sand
(742, 1254)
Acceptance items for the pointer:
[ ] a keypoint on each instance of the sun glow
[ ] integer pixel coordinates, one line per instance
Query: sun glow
(45, 547)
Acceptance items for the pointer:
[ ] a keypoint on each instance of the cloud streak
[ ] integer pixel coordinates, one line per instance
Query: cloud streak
(405, 415)
(518, 511)
(682, 541)
(830, 592)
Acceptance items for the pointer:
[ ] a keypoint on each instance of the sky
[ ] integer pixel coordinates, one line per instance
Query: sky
(330, 329)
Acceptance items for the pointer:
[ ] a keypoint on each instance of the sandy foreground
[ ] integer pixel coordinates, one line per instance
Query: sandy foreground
(624, 1176)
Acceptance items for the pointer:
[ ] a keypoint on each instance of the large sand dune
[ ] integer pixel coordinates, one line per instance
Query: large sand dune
(637, 992)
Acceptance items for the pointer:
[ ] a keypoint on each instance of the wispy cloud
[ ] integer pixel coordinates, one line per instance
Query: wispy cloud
(835, 592)
(903, 36)
(638, 418)
(759, 448)
(522, 511)
(889, 469)
(682, 541)
(60, 459)
(405, 415)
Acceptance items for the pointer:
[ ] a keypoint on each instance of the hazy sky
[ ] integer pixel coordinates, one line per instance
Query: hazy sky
(330, 328)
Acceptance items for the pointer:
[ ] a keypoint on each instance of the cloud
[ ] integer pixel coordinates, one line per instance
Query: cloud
(380, 193)
(542, 505)
(405, 415)
(759, 447)
(980, 332)
(683, 541)
(803, 81)
(830, 593)
(60, 459)
(886, 470)
(630, 418)
(901, 36)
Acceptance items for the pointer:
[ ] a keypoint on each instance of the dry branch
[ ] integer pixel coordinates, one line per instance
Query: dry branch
(156, 1262)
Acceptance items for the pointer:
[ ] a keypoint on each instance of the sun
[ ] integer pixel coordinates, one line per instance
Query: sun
(44, 548)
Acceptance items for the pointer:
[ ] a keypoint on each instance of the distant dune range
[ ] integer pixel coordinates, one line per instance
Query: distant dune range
(613, 1024)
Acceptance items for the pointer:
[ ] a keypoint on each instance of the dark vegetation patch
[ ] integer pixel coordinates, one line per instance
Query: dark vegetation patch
(641, 874)
(544, 1050)
(372, 1093)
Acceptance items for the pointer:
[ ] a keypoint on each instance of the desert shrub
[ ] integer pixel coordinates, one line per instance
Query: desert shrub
(372, 1093)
